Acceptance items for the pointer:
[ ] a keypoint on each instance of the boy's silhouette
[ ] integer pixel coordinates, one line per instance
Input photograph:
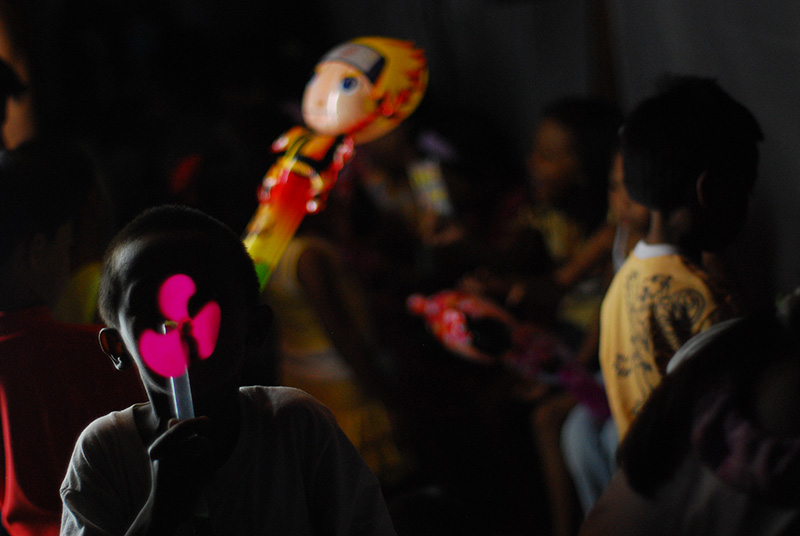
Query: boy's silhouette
(257, 460)
(690, 156)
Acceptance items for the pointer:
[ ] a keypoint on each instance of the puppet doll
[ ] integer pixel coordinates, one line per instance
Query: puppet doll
(360, 90)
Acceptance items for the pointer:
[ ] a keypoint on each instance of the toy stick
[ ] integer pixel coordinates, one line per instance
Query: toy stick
(182, 397)
(296, 185)
(184, 409)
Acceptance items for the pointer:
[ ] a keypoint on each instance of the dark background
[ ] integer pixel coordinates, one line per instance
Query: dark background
(148, 81)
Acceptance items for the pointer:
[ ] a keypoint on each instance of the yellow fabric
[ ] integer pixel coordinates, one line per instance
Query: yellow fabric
(312, 363)
(365, 423)
(652, 307)
(300, 329)
(561, 234)
(78, 301)
(580, 307)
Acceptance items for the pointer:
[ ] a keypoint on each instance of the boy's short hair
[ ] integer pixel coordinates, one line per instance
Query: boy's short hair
(42, 186)
(221, 246)
(690, 127)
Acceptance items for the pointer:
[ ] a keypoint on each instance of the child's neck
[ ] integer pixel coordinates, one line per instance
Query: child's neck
(673, 228)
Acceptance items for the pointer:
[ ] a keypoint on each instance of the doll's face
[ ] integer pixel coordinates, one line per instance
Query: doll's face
(337, 99)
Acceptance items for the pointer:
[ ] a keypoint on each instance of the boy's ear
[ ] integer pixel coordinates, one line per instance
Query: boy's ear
(259, 323)
(114, 348)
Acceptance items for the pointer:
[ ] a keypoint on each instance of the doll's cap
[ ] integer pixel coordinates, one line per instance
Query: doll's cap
(365, 59)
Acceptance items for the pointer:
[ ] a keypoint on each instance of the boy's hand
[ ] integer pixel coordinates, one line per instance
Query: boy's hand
(182, 464)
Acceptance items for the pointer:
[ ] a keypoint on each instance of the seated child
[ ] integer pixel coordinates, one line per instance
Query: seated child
(327, 346)
(691, 156)
(547, 264)
(180, 295)
(476, 329)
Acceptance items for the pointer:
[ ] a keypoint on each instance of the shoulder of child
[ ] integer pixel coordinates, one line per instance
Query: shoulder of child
(109, 445)
(296, 421)
(288, 404)
(115, 428)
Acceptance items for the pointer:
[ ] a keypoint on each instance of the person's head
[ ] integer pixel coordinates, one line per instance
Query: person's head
(177, 273)
(43, 185)
(692, 145)
(571, 153)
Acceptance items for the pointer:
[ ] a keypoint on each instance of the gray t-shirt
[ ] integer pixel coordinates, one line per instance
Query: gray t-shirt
(292, 472)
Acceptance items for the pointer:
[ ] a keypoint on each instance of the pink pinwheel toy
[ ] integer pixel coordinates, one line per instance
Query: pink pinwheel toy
(183, 338)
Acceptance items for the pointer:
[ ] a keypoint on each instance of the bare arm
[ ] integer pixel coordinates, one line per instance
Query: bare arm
(593, 254)
(334, 299)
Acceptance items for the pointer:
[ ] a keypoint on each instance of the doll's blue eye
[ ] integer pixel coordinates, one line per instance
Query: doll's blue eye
(349, 84)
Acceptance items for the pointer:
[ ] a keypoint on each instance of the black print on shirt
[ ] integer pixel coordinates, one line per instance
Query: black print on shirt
(662, 319)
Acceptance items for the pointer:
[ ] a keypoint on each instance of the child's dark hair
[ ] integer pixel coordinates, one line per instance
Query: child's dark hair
(221, 245)
(690, 127)
(42, 186)
(594, 125)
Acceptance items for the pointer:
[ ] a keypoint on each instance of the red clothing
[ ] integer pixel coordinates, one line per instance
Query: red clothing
(54, 380)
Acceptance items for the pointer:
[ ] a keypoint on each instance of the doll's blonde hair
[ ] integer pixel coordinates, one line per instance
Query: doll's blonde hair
(398, 87)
